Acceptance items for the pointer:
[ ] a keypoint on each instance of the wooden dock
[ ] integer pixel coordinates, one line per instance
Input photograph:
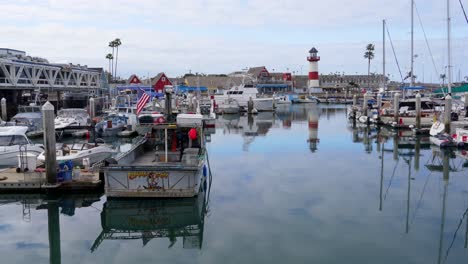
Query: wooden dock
(12, 181)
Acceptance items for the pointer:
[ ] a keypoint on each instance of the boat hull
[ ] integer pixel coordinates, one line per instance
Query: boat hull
(9, 155)
(153, 182)
(77, 159)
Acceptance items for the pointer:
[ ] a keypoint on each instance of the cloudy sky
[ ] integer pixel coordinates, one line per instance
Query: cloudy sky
(221, 36)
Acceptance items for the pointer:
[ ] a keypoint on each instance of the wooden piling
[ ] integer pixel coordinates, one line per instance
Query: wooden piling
(4, 109)
(396, 106)
(250, 106)
(48, 118)
(448, 113)
(92, 108)
(418, 111)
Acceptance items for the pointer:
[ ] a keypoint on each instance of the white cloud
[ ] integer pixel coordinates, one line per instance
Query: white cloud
(217, 36)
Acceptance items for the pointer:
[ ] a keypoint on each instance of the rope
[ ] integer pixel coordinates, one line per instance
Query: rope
(427, 42)
(464, 13)
(394, 54)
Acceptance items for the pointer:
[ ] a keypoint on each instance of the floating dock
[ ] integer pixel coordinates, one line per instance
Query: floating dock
(12, 181)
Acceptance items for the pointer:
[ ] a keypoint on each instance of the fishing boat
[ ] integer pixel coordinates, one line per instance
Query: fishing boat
(302, 99)
(77, 152)
(168, 162)
(71, 117)
(242, 94)
(111, 125)
(13, 142)
(283, 100)
(229, 106)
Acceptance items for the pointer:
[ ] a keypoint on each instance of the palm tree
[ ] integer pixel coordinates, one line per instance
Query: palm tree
(443, 76)
(369, 55)
(117, 43)
(112, 45)
(109, 57)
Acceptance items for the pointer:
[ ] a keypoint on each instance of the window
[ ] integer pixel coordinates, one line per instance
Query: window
(5, 140)
(19, 140)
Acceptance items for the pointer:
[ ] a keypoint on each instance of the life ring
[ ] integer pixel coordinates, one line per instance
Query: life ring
(160, 120)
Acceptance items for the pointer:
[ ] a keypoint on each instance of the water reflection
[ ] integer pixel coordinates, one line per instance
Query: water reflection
(406, 151)
(175, 219)
(55, 205)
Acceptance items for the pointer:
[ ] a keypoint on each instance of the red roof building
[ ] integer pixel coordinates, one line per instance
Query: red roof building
(159, 82)
(134, 79)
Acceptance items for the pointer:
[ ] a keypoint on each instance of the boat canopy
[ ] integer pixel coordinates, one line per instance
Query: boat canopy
(459, 89)
(13, 130)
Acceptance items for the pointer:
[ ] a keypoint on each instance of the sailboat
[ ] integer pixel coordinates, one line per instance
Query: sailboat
(438, 137)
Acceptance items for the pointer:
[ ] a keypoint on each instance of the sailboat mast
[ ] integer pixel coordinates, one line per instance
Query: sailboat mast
(449, 49)
(412, 45)
(383, 57)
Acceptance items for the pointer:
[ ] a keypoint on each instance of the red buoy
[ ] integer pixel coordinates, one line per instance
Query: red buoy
(192, 134)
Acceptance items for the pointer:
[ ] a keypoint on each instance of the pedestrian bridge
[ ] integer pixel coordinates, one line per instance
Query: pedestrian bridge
(21, 74)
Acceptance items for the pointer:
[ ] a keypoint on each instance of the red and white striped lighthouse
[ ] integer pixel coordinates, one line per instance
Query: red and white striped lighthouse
(313, 69)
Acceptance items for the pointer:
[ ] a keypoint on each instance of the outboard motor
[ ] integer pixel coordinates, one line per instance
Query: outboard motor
(454, 116)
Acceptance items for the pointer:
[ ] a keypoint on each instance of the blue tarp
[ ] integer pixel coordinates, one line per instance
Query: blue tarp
(272, 85)
(184, 89)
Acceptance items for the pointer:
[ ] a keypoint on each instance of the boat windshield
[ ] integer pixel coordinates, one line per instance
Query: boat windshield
(12, 140)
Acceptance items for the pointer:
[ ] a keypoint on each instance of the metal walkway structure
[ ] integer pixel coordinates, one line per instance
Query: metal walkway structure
(22, 73)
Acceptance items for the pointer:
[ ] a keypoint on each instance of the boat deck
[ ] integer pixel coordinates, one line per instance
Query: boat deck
(152, 158)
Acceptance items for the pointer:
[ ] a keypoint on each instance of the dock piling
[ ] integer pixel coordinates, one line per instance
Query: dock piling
(447, 113)
(418, 111)
(113, 103)
(4, 109)
(92, 108)
(354, 101)
(396, 106)
(250, 106)
(379, 101)
(364, 104)
(466, 104)
(48, 118)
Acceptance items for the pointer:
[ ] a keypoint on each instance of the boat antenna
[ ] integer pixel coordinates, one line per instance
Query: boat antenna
(412, 45)
(384, 80)
(449, 50)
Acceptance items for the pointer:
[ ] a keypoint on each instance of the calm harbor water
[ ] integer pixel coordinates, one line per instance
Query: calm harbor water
(300, 186)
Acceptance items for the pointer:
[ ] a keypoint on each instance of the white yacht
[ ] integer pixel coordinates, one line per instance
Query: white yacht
(71, 117)
(242, 95)
(79, 151)
(13, 142)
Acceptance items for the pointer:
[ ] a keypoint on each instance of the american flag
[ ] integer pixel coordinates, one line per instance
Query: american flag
(142, 102)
